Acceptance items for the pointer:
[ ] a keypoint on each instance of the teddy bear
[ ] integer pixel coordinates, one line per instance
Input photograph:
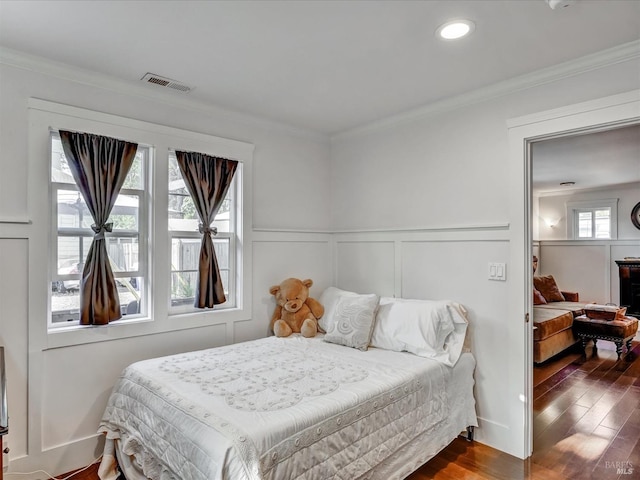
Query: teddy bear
(295, 311)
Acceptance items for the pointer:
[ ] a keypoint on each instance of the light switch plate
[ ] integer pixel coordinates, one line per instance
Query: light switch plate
(498, 271)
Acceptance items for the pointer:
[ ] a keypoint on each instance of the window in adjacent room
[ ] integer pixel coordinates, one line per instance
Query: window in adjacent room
(592, 220)
(186, 239)
(72, 236)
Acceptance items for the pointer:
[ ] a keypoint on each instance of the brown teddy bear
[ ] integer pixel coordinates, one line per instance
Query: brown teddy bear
(295, 311)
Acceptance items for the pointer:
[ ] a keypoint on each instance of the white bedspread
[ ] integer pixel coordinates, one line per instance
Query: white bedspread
(279, 408)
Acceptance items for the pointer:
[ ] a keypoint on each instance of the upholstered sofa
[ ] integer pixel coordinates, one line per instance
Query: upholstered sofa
(553, 316)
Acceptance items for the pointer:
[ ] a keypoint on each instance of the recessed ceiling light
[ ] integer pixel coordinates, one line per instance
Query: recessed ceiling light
(455, 29)
(567, 184)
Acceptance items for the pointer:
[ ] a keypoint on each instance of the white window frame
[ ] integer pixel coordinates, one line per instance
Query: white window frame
(574, 207)
(45, 116)
(142, 234)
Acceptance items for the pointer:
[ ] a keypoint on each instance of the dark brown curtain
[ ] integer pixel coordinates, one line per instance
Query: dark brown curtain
(208, 180)
(99, 166)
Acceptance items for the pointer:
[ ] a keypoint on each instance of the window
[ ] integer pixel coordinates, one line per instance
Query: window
(186, 241)
(72, 237)
(155, 236)
(592, 220)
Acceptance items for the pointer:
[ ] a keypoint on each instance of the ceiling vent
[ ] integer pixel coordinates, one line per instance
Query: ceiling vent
(165, 82)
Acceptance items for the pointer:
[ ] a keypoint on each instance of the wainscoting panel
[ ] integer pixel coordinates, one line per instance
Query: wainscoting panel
(578, 268)
(587, 267)
(446, 264)
(459, 271)
(70, 413)
(366, 267)
(13, 336)
(277, 256)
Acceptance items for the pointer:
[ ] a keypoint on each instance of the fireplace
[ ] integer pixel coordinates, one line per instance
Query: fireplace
(629, 272)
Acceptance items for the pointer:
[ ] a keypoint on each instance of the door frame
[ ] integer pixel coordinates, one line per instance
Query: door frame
(588, 117)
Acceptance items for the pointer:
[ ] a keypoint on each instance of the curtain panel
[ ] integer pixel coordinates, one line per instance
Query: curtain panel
(99, 166)
(207, 179)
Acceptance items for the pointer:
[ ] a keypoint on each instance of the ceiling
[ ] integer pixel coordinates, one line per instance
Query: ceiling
(592, 161)
(329, 66)
(326, 66)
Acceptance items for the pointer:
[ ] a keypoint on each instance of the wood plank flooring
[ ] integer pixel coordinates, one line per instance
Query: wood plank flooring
(586, 426)
(586, 414)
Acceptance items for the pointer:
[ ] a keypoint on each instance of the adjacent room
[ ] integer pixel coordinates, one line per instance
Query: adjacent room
(299, 239)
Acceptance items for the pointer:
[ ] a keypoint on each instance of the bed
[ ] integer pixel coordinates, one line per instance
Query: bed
(285, 408)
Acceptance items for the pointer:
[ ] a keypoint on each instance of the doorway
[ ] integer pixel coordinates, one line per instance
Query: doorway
(599, 115)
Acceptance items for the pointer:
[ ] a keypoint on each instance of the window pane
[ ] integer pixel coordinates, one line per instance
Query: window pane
(182, 212)
(60, 171)
(72, 252)
(135, 177)
(72, 210)
(223, 217)
(221, 247)
(65, 298)
(603, 223)
(185, 253)
(125, 213)
(130, 293)
(123, 253)
(224, 274)
(183, 287)
(584, 224)
(74, 213)
(65, 305)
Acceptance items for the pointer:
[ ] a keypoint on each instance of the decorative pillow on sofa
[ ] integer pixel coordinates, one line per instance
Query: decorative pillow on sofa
(546, 285)
(431, 329)
(538, 299)
(352, 319)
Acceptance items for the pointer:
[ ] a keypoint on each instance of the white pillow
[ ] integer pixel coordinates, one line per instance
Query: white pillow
(431, 329)
(352, 320)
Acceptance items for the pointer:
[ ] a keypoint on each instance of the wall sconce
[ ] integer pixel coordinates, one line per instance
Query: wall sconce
(550, 222)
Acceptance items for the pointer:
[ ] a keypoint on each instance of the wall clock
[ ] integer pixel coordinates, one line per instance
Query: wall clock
(635, 215)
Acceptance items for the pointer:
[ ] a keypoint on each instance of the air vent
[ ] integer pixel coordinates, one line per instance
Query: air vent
(165, 82)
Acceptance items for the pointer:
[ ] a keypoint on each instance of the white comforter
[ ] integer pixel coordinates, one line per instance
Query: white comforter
(277, 408)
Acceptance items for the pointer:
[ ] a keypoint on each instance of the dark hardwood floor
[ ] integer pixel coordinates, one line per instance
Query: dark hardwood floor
(586, 413)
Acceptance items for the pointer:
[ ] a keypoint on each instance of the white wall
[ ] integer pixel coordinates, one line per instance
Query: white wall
(588, 268)
(446, 174)
(57, 395)
(553, 207)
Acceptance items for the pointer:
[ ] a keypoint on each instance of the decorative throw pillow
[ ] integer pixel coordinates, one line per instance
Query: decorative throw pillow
(353, 321)
(329, 300)
(546, 285)
(538, 299)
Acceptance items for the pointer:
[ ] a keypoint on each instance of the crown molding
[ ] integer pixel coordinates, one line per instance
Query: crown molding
(45, 66)
(611, 56)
